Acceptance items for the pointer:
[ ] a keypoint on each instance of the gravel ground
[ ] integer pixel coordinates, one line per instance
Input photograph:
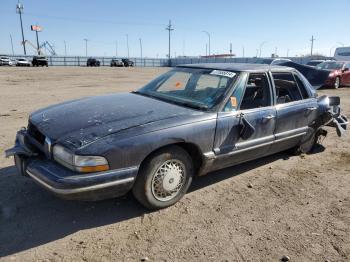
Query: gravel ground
(281, 205)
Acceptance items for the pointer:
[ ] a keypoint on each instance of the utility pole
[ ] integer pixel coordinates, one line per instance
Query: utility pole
(127, 44)
(141, 48)
(207, 33)
(65, 48)
(243, 50)
(169, 28)
(37, 39)
(312, 44)
(116, 48)
(86, 40)
(13, 53)
(230, 48)
(19, 10)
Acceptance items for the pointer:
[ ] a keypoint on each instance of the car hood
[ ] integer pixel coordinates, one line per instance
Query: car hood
(80, 122)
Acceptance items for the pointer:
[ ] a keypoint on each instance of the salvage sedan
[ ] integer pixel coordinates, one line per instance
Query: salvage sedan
(189, 121)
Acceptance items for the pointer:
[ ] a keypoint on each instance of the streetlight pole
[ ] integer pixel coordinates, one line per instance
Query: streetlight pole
(330, 51)
(207, 33)
(65, 48)
(13, 53)
(169, 28)
(312, 44)
(127, 44)
(261, 45)
(116, 48)
(141, 48)
(243, 51)
(19, 10)
(86, 40)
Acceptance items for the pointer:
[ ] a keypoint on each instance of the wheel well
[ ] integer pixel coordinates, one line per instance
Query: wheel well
(193, 151)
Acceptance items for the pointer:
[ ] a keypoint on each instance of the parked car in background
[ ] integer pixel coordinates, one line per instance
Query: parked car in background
(92, 62)
(189, 121)
(127, 62)
(339, 73)
(5, 60)
(116, 62)
(342, 53)
(22, 62)
(40, 61)
(272, 61)
(315, 62)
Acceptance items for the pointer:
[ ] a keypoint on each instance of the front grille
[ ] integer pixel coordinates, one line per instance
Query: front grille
(36, 134)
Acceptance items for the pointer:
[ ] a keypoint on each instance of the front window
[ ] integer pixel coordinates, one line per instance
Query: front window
(195, 88)
(330, 65)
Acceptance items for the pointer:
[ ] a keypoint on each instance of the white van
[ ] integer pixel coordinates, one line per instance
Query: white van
(342, 54)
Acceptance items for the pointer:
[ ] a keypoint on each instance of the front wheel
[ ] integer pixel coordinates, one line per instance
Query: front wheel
(164, 179)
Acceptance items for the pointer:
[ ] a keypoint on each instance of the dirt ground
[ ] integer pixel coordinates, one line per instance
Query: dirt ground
(298, 206)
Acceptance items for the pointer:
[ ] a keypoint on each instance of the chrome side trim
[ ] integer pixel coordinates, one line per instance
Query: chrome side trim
(79, 190)
(263, 144)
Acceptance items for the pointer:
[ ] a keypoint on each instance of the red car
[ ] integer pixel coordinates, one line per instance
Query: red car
(339, 73)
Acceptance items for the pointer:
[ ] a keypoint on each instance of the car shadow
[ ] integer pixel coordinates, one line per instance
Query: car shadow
(30, 216)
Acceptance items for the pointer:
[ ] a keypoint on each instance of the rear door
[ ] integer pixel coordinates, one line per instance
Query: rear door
(246, 125)
(296, 110)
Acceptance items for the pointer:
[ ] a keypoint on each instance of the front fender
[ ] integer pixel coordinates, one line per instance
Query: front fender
(131, 151)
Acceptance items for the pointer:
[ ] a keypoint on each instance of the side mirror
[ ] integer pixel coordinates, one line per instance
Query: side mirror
(345, 69)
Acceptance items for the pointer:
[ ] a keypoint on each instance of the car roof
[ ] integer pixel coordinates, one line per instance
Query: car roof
(239, 67)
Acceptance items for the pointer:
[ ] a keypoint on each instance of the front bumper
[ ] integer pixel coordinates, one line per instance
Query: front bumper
(66, 183)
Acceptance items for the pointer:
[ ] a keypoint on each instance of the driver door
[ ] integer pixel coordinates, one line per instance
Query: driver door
(245, 128)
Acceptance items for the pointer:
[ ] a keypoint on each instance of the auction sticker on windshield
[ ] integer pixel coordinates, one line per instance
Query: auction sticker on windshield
(223, 73)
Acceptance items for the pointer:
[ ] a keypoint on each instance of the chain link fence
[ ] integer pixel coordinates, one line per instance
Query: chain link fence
(152, 62)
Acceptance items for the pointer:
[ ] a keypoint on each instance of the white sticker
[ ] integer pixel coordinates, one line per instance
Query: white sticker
(223, 73)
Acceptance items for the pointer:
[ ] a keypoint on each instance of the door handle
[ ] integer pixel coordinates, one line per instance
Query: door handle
(312, 108)
(269, 117)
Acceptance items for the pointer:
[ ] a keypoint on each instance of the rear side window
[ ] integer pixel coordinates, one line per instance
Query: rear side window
(302, 87)
(286, 88)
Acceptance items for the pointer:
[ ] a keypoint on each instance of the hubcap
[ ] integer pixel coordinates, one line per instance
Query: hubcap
(337, 82)
(168, 180)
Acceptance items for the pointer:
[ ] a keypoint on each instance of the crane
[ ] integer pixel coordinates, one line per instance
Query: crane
(39, 51)
(48, 47)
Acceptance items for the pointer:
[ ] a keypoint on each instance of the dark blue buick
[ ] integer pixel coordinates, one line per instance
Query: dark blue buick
(189, 121)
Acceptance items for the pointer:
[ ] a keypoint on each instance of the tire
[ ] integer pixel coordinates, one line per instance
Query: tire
(307, 144)
(337, 82)
(155, 189)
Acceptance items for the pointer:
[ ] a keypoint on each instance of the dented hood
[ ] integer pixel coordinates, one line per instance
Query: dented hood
(80, 122)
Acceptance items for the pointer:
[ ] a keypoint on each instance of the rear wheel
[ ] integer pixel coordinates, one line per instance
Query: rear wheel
(164, 178)
(337, 82)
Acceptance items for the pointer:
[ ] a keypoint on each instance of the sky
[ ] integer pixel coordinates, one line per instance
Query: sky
(283, 25)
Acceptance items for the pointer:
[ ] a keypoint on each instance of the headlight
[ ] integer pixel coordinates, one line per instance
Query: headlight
(79, 163)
